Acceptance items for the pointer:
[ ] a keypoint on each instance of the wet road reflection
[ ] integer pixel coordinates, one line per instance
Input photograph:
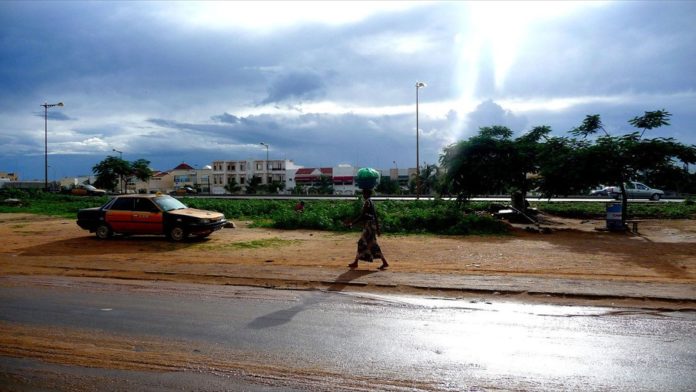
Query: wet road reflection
(342, 341)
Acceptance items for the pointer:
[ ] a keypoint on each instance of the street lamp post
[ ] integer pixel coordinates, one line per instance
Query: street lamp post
(267, 168)
(46, 106)
(120, 156)
(419, 85)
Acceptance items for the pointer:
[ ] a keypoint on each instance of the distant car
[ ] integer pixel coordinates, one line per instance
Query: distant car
(634, 190)
(87, 190)
(149, 214)
(184, 190)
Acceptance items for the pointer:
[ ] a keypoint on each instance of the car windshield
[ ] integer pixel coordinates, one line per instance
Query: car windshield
(90, 187)
(168, 203)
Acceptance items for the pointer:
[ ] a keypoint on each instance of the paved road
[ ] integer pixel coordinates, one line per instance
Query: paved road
(78, 334)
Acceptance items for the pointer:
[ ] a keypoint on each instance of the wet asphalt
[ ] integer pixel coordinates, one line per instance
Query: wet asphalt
(319, 340)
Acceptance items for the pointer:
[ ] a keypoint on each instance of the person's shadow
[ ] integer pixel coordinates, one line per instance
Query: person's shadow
(284, 316)
(345, 278)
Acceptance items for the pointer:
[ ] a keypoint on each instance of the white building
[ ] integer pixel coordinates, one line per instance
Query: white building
(242, 171)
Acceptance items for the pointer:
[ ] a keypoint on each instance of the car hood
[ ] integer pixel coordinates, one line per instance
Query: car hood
(202, 214)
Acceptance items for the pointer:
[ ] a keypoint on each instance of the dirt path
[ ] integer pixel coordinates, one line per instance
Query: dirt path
(664, 252)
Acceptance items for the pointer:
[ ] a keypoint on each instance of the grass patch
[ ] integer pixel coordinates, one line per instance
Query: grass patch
(264, 243)
(274, 242)
(37, 202)
(594, 210)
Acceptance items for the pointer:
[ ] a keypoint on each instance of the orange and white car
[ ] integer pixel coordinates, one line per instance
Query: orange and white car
(149, 214)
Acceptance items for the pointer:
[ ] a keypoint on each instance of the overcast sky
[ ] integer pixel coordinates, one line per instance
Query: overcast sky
(327, 82)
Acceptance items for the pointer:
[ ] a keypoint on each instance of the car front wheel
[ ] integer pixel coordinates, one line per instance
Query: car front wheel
(104, 232)
(177, 234)
(655, 197)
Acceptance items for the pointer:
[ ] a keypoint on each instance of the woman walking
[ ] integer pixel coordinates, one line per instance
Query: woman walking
(368, 248)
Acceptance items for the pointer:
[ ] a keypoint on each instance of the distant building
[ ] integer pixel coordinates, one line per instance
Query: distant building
(242, 171)
(402, 176)
(183, 175)
(9, 176)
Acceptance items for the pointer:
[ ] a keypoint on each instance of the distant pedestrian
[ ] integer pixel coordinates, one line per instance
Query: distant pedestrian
(299, 207)
(368, 248)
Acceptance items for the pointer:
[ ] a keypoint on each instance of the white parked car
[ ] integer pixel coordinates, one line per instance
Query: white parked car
(634, 190)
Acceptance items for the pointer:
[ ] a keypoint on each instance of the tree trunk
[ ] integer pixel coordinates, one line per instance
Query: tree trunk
(624, 204)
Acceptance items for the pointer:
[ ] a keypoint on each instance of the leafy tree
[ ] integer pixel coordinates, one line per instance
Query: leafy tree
(298, 190)
(611, 159)
(232, 186)
(430, 180)
(110, 171)
(275, 187)
(252, 187)
(387, 186)
(140, 169)
(325, 185)
(492, 162)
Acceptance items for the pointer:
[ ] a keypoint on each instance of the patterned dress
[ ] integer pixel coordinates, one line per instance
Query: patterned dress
(368, 248)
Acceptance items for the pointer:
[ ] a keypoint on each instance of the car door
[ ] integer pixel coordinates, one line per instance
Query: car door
(147, 217)
(642, 191)
(630, 190)
(119, 215)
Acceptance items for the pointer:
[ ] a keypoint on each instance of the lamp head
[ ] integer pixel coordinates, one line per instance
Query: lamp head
(60, 104)
(420, 84)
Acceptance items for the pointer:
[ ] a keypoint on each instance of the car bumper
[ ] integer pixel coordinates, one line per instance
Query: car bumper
(206, 227)
(87, 225)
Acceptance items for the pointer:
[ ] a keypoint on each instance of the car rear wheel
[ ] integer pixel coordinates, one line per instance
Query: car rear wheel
(655, 197)
(104, 232)
(177, 234)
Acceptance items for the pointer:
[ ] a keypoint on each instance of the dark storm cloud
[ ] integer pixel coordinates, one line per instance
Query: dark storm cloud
(317, 139)
(297, 86)
(489, 113)
(226, 118)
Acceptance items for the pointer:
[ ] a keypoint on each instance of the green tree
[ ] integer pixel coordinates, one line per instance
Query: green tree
(298, 190)
(252, 187)
(110, 171)
(232, 186)
(611, 159)
(275, 187)
(140, 169)
(492, 162)
(387, 186)
(430, 180)
(325, 185)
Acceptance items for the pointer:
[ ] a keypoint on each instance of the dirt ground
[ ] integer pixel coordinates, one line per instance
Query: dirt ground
(664, 251)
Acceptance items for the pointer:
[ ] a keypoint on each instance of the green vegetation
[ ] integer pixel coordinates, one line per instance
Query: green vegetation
(495, 162)
(403, 217)
(592, 210)
(438, 217)
(38, 202)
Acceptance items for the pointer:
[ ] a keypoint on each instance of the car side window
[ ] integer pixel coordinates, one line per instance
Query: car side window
(123, 204)
(144, 205)
(630, 185)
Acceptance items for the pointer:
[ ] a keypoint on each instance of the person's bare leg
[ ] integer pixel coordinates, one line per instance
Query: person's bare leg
(384, 264)
(354, 264)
